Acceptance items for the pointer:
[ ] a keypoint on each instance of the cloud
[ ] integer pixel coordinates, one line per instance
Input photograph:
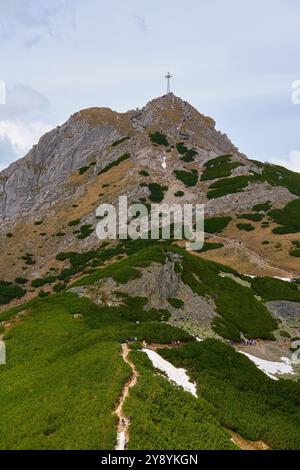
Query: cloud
(21, 101)
(22, 135)
(292, 161)
(31, 21)
(7, 152)
(23, 119)
(141, 23)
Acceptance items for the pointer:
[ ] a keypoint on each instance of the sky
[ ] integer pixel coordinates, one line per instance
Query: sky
(235, 61)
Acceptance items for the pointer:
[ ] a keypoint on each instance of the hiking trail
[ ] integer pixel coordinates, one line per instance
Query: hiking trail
(124, 421)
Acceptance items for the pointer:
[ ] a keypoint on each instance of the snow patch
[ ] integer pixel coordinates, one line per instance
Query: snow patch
(271, 368)
(179, 376)
(121, 441)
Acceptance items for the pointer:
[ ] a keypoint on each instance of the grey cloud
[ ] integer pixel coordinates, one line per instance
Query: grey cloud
(22, 102)
(29, 21)
(7, 152)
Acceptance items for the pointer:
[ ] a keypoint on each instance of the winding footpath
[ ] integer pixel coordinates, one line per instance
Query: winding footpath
(123, 420)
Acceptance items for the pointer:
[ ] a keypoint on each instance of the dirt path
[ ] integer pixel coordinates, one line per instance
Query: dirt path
(256, 258)
(244, 444)
(124, 421)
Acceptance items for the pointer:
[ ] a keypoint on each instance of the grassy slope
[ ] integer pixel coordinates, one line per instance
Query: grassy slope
(167, 417)
(64, 375)
(61, 381)
(244, 399)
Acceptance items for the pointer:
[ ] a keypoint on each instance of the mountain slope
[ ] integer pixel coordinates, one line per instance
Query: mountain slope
(67, 298)
(99, 154)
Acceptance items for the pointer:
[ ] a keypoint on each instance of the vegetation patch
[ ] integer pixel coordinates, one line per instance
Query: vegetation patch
(245, 227)
(253, 217)
(74, 222)
(216, 224)
(226, 186)
(288, 218)
(9, 292)
(271, 289)
(210, 246)
(120, 141)
(239, 310)
(117, 162)
(83, 170)
(176, 303)
(189, 178)
(157, 192)
(85, 231)
(264, 207)
(219, 167)
(159, 139)
(179, 194)
(21, 280)
(187, 154)
(159, 408)
(28, 258)
(241, 396)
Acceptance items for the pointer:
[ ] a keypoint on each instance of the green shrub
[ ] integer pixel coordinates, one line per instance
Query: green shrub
(144, 173)
(72, 223)
(157, 192)
(295, 253)
(28, 258)
(159, 139)
(271, 289)
(39, 282)
(58, 287)
(187, 154)
(38, 222)
(226, 186)
(120, 141)
(253, 217)
(264, 207)
(187, 178)
(85, 231)
(9, 292)
(9, 235)
(179, 194)
(245, 227)
(83, 169)
(216, 224)
(176, 303)
(181, 148)
(210, 246)
(21, 280)
(288, 218)
(279, 176)
(219, 167)
(117, 162)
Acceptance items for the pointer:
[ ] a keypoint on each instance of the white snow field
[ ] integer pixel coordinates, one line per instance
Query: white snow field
(271, 368)
(179, 376)
(121, 441)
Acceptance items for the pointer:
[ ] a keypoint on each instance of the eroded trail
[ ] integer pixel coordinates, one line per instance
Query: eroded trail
(244, 444)
(124, 421)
